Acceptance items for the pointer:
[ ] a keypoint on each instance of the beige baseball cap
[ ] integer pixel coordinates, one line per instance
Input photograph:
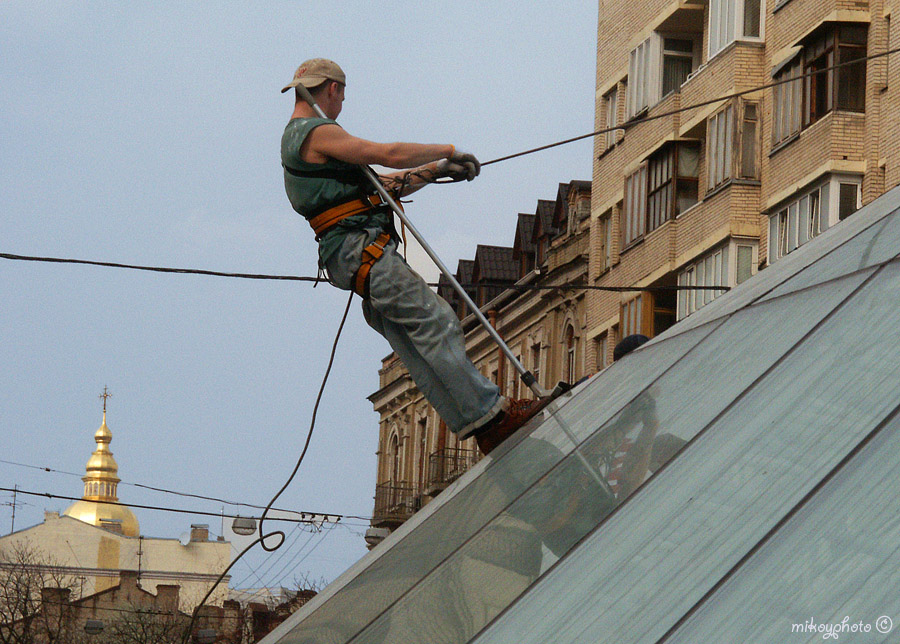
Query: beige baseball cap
(316, 71)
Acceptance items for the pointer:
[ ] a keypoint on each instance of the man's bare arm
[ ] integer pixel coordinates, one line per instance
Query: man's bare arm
(331, 141)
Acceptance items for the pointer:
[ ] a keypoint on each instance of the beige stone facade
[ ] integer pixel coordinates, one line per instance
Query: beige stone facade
(708, 196)
(517, 289)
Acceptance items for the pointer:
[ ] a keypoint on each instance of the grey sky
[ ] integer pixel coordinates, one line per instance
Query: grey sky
(148, 133)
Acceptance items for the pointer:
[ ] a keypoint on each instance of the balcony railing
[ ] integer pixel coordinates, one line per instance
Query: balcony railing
(395, 501)
(448, 464)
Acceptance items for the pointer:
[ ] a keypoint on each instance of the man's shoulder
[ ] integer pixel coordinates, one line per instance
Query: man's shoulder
(308, 123)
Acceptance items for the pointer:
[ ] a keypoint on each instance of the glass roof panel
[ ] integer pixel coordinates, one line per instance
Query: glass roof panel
(423, 542)
(791, 264)
(493, 568)
(664, 549)
(836, 558)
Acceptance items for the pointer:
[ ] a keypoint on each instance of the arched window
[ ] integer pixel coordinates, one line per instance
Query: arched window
(570, 354)
(394, 451)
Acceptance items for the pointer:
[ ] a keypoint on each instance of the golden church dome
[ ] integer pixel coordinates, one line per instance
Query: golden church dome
(101, 480)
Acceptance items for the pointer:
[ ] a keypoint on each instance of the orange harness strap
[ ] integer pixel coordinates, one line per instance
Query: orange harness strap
(325, 220)
(371, 254)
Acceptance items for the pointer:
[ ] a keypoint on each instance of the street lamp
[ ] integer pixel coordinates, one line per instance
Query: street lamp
(206, 636)
(93, 626)
(244, 526)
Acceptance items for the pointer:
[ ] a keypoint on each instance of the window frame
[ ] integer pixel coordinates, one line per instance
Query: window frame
(787, 101)
(646, 69)
(611, 107)
(634, 210)
(807, 97)
(720, 133)
(734, 23)
(719, 262)
(792, 232)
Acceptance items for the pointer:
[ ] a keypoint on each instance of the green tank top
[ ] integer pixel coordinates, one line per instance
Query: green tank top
(313, 188)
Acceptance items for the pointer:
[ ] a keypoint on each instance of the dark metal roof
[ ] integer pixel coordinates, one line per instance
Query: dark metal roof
(524, 230)
(495, 264)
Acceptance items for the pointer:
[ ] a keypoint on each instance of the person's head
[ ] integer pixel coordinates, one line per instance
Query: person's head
(628, 345)
(325, 81)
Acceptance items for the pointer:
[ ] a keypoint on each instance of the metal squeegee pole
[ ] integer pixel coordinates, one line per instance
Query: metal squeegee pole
(527, 376)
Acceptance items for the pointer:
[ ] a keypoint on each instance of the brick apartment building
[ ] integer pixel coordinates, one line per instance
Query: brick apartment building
(709, 196)
(417, 456)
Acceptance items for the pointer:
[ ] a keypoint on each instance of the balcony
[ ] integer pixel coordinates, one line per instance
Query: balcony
(448, 464)
(395, 503)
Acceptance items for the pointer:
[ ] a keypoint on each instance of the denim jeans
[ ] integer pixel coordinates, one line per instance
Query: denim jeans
(424, 332)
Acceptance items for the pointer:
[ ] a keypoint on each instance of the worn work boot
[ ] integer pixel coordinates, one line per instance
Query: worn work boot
(507, 422)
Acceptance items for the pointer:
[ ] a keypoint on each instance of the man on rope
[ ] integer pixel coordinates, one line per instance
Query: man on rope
(358, 249)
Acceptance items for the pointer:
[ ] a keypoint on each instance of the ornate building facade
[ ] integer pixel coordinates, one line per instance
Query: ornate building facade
(532, 293)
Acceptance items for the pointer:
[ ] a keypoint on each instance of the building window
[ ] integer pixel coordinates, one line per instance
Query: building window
(788, 103)
(719, 148)
(604, 236)
(394, 455)
(678, 61)
(731, 20)
(673, 183)
(711, 270)
(536, 362)
(659, 66)
(749, 138)
(844, 87)
(570, 354)
(631, 317)
(611, 102)
(848, 200)
(805, 217)
(602, 351)
(635, 206)
(513, 377)
(639, 77)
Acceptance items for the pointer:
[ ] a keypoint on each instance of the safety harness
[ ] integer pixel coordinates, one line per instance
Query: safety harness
(328, 219)
(324, 221)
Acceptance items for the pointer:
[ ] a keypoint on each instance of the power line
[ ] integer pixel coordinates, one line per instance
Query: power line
(188, 494)
(624, 126)
(298, 278)
(727, 97)
(326, 518)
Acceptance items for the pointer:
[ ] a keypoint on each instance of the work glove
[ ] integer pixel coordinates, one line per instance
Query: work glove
(446, 168)
(472, 165)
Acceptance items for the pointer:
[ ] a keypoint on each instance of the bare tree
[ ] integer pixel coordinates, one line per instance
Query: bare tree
(26, 618)
(141, 626)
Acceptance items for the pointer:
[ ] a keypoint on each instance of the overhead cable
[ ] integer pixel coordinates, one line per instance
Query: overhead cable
(644, 119)
(187, 494)
(306, 517)
(297, 278)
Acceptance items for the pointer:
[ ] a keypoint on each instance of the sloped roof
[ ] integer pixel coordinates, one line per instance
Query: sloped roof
(464, 271)
(544, 222)
(780, 402)
(495, 264)
(524, 229)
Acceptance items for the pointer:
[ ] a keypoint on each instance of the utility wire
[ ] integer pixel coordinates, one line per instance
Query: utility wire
(624, 126)
(297, 278)
(190, 495)
(331, 518)
(645, 119)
